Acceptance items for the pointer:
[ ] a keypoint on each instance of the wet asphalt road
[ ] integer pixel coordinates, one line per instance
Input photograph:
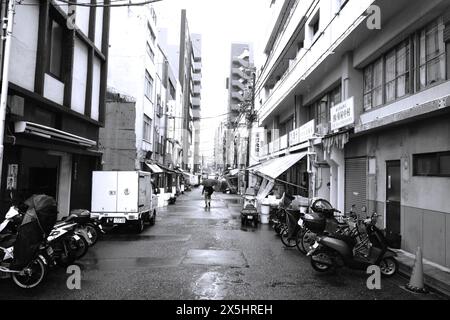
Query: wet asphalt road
(195, 254)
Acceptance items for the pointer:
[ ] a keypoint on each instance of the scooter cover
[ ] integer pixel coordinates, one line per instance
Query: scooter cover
(37, 222)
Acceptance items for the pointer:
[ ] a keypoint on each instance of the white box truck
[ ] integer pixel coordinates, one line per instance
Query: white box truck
(124, 198)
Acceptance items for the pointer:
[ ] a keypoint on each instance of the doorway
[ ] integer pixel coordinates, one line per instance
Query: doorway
(393, 203)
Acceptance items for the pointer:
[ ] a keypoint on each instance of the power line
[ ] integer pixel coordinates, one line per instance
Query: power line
(111, 4)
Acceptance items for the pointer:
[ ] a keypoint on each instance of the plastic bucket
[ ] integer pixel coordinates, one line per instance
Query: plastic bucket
(265, 213)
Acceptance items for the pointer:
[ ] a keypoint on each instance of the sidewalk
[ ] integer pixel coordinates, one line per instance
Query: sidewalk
(436, 278)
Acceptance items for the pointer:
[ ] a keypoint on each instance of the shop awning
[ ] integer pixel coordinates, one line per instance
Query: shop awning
(51, 133)
(275, 167)
(154, 168)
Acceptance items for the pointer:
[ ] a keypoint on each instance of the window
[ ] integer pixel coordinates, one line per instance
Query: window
(320, 110)
(150, 52)
(432, 54)
(392, 70)
(148, 88)
(315, 26)
(151, 34)
(147, 129)
(432, 164)
(56, 34)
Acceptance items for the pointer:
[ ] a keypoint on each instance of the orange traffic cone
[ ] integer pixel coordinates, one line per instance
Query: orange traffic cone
(416, 283)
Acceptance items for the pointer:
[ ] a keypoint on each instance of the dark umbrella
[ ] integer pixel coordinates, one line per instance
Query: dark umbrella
(209, 182)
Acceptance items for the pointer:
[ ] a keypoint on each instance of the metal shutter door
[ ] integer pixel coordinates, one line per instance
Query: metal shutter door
(355, 183)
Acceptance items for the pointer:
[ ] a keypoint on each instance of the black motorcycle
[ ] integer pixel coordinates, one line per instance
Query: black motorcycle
(354, 250)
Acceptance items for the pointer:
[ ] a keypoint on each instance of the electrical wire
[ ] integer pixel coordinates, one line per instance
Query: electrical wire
(104, 4)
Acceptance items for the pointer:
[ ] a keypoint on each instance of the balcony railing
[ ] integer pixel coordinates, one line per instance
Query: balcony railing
(291, 139)
(309, 59)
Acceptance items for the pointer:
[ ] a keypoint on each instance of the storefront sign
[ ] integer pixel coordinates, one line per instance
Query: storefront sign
(284, 142)
(307, 131)
(276, 145)
(343, 114)
(293, 137)
(13, 170)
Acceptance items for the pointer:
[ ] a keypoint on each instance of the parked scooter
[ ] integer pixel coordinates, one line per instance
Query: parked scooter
(90, 228)
(319, 220)
(330, 251)
(67, 243)
(249, 213)
(34, 272)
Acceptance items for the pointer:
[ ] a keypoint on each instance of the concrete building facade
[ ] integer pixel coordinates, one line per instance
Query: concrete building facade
(371, 104)
(56, 101)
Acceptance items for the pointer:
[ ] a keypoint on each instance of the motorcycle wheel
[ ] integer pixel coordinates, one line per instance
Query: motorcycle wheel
(94, 233)
(289, 243)
(32, 275)
(388, 267)
(298, 241)
(319, 267)
(308, 239)
(78, 248)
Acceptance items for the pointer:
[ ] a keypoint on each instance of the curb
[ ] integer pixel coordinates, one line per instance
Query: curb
(430, 283)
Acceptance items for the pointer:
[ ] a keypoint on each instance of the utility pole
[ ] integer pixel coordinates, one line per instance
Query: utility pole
(250, 126)
(9, 21)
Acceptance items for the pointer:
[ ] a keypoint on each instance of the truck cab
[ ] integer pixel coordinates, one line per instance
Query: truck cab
(124, 198)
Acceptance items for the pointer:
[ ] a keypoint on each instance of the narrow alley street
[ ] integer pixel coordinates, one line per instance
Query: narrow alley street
(195, 254)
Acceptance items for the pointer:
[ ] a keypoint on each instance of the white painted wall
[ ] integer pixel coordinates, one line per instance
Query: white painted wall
(82, 19)
(80, 63)
(96, 88)
(98, 27)
(24, 45)
(53, 89)
(128, 61)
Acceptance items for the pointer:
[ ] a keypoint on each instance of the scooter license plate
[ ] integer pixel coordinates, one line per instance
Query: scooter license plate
(120, 220)
(315, 245)
(89, 235)
(76, 237)
(300, 223)
(250, 217)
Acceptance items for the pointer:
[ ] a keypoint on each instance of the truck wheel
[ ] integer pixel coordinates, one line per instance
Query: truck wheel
(139, 227)
(153, 219)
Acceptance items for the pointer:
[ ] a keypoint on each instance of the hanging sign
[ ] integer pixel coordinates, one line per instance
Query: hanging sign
(342, 114)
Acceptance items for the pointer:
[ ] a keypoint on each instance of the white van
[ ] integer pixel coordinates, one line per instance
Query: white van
(124, 198)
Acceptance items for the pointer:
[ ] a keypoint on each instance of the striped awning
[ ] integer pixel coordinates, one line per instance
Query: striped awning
(273, 168)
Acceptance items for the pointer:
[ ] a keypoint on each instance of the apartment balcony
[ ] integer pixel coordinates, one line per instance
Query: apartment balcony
(238, 96)
(239, 84)
(241, 62)
(196, 102)
(197, 66)
(293, 140)
(197, 78)
(196, 114)
(197, 89)
(322, 51)
(240, 72)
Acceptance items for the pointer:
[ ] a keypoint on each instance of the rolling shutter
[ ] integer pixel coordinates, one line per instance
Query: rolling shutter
(355, 183)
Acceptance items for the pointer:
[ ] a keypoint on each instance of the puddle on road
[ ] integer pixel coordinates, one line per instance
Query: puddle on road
(216, 257)
(210, 286)
(127, 263)
(137, 237)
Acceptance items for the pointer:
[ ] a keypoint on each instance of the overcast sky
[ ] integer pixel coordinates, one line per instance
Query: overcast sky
(220, 22)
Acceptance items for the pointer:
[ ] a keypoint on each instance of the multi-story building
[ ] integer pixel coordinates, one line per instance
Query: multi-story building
(220, 147)
(196, 97)
(186, 62)
(56, 101)
(373, 105)
(133, 72)
(239, 99)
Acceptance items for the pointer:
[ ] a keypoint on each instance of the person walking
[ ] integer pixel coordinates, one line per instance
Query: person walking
(208, 191)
